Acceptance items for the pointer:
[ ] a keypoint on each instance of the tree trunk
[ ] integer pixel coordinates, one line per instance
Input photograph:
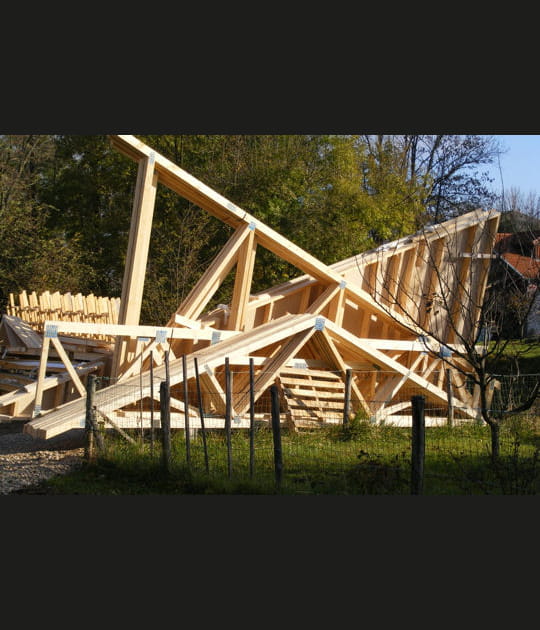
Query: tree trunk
(495, 443)
(493, 424)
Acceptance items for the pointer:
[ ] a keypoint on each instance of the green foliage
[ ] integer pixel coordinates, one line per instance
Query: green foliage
(66, 203)
(36, 254)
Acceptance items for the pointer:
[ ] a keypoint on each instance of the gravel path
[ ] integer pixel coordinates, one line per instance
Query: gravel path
(25, 461)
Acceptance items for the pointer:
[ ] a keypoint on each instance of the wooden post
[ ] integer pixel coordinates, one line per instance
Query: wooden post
(186, 411)
(347, 404)
(228, 407)
(276, 435)
(137, 255)
(201, 414)
(89, 421)
(418, 444)
(151, 403)
(450, 395)
(251, 417)
(141, 404)
(93, 437)
(167, 369)
(165, 410)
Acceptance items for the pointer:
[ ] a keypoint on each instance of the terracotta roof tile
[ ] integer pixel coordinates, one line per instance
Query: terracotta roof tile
(524, 265)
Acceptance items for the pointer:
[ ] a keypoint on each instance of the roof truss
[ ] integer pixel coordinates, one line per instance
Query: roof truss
(364, 311)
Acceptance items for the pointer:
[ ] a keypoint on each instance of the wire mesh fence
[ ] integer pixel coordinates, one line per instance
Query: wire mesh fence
(223, 439)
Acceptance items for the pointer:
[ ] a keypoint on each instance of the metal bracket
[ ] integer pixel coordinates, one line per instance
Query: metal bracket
(161, 336)
(319, 323)
(51, 331)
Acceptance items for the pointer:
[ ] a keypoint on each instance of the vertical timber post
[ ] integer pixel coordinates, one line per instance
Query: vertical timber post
(136, 257)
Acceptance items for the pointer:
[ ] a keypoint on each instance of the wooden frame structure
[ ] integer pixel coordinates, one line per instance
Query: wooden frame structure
(332, 318)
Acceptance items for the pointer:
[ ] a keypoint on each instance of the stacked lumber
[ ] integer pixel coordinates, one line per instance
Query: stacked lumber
(24, 369)
(37, 309)
(311, 397)
(372, 314)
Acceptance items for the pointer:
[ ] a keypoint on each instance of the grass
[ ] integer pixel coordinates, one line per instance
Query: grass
(359, 459)
(528, 353)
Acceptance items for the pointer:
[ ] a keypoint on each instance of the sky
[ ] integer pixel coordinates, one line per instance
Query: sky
(520, 164)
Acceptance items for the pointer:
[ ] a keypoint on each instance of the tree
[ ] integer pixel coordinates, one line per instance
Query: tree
(445, 166)
(34, 254)
(445, 299)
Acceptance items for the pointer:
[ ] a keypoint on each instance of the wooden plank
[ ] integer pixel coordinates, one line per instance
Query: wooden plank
(137, 254)
(311, 373)
(288, 381)
(41, 375)
(307, 393)
(336, 309)
(242, 282)
(213, 277)
(134, 331)
(23, 332)
(270, 369)
(334, 354)
(391, 388)
(212, 387)
(27, 395)
(71, 370)
(320, 303)
(428, 389)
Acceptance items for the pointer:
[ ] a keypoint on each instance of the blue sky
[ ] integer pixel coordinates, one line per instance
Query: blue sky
(520, 165)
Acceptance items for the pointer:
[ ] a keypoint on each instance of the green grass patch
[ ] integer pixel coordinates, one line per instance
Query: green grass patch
(360, 459)
(528, 353)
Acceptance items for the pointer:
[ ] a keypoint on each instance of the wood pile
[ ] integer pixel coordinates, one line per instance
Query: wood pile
(24, 371)
(37, 309)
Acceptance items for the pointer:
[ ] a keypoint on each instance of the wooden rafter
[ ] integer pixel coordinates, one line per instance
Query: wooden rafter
(352, 313)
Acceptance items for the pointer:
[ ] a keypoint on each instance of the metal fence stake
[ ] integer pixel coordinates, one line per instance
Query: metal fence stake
(418, 444)
(276, 434)
(251, 417)
(228, 407)
(165, 410)
(347, 403)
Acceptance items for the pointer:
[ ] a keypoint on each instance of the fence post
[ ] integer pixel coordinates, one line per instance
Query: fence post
(450, 396)
(151, 403)
(251, 417)
(89, 424)
(167, 369)
(201, 414)
(141, 403)
(276, 434)
(347, 404)
(418, 444)
(186, 411)
(228, 407)
(165, 410)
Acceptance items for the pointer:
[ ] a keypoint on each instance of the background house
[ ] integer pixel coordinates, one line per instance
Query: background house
(516, 273)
